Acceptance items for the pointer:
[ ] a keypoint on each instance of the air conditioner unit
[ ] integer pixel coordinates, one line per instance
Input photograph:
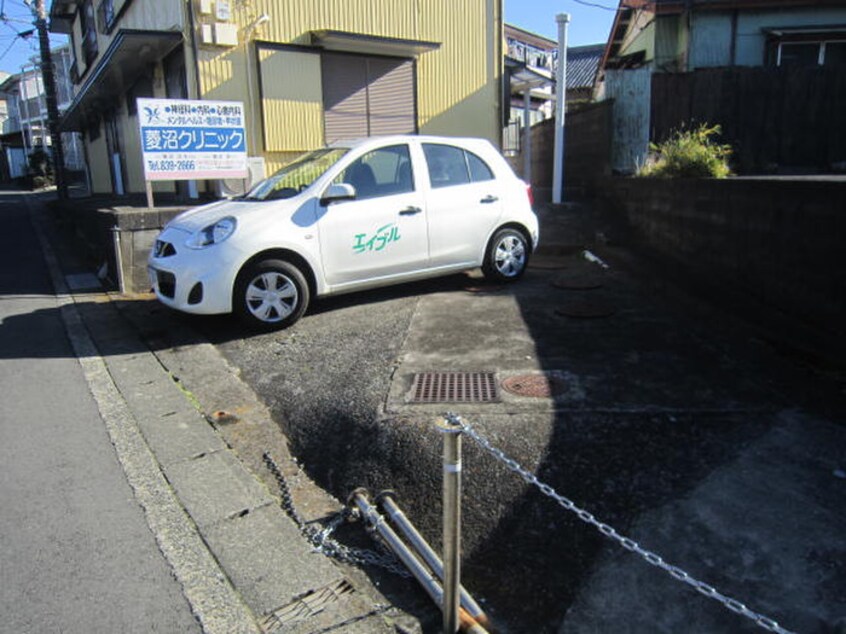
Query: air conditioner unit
(231, 187)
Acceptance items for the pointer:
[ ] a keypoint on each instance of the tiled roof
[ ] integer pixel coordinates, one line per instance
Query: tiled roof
(582, 62)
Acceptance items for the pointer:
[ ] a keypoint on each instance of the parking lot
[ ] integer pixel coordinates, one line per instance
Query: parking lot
(667, 419)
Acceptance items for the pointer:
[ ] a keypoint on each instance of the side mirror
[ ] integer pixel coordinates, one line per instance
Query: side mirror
(337, 192)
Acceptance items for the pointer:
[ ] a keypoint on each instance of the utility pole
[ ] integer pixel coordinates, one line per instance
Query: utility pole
(49, 80)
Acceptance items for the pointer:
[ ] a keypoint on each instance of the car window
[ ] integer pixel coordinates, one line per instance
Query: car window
(297, 176)
(447, 165)
(479, 170)
(383, 172)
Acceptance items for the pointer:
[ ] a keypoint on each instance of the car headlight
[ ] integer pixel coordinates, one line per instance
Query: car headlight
(212, 234)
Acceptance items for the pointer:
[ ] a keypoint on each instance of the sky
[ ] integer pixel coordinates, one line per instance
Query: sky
(16, 49)
(590, 22)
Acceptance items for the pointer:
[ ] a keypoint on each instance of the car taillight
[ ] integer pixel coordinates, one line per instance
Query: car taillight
(530, 195)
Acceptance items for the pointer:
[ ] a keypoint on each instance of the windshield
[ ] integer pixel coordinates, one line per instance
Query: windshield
(297, 176)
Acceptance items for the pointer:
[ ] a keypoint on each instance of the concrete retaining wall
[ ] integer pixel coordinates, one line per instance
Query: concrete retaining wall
(781, 241)
(587, 153)
(106, 228)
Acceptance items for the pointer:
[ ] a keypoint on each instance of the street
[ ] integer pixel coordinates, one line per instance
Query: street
(76, 553)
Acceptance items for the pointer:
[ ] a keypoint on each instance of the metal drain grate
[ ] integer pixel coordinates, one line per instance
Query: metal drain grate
(306, 606)
(454, 387)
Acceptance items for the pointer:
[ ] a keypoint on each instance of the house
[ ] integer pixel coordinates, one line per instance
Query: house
(308, 71)
(684, 35)
(531, 61)
(25, 125)
(582, 66)
(527, 51)
(769, 72)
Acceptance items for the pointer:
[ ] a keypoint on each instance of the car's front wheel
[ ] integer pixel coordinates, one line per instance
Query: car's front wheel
(270, 294)
(507, 256)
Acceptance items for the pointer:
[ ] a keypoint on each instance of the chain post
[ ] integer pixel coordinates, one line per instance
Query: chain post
(451, 428)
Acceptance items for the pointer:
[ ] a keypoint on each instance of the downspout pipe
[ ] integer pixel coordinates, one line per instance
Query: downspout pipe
(422, 547)
(360, 500)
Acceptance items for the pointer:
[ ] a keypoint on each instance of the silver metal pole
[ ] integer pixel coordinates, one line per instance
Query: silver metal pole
(118, 259)
(563, 19)
(430, 583)
(451, 428)
(422, 547)
(396, 545)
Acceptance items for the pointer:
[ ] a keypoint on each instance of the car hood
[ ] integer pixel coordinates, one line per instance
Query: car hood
(205, 215)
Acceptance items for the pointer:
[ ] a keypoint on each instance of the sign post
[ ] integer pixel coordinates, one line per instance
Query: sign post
(183, 139)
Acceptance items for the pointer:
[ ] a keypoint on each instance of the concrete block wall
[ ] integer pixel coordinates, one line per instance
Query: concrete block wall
(137, 230)
(120, 237)
(587, 153)
(781, 241)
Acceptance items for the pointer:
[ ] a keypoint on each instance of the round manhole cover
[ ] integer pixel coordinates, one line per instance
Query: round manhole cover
(586, 310)
(534, 385)
(577, 282)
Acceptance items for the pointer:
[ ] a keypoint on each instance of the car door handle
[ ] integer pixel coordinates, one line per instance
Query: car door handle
(488, 199)
(410, 211)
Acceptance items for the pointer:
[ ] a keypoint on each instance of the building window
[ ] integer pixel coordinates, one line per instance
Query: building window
(799, 54)
(106, 16)
(89, 32)
(808, 51)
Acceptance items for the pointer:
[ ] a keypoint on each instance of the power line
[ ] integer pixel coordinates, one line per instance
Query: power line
(8, 48)
(595, 5)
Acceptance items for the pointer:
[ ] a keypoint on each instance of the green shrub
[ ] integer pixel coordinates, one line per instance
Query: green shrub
(689, 154)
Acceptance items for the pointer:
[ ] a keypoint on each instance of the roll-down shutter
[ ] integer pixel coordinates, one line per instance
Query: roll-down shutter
(367, 96)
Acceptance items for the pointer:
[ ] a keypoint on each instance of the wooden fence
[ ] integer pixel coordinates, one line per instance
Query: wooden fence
(777, 120)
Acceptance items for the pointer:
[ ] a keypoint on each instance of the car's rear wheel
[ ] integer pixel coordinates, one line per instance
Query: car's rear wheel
(270, 294)
(507, 256)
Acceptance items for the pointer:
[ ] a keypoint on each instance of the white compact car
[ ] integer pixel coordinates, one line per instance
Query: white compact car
(348, 217)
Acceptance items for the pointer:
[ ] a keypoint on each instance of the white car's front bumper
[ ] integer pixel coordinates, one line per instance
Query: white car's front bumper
(192, 280)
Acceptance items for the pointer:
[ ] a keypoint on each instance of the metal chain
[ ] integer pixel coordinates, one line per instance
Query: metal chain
(629, 544)
(321, 539)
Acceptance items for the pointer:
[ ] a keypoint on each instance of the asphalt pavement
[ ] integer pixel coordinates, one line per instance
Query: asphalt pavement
(666, 418)
(76, 554)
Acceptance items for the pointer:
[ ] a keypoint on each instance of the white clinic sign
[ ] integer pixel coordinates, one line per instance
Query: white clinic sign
(183, 139)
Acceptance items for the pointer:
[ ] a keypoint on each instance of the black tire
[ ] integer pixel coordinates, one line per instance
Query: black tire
(270, 295)
(507, 256)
